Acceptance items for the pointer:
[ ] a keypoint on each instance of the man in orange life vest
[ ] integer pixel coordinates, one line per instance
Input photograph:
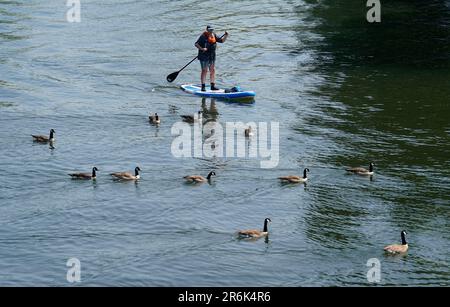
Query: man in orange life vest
(206, 45)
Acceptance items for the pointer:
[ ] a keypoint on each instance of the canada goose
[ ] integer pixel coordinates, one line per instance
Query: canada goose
(361, 170)
(248, 132)
(398, 248)
(86, 176)
(197, 178)
(254, 233)
(127, 175)
(296, 179)
(43, 138)
(192, 118)
(154, 119)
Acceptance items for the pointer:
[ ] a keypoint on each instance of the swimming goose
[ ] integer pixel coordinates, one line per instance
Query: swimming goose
(296, 179)
(362, 170)
(43, 138)
(398, 248)
(127, 175)
(154, 119)
(192, 118)
(248, 132)
(86, 176)
(197, 178)
(254, 233)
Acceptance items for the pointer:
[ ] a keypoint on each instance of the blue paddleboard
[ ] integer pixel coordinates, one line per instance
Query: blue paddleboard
(220, 94)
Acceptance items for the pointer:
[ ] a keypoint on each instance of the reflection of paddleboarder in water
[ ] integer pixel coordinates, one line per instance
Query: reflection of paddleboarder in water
(206, 45)
(212, 113)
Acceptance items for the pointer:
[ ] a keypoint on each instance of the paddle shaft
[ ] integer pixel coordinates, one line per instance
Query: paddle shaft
(188, 64)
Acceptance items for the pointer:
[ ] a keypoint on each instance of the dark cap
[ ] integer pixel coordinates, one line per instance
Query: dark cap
(210, 28)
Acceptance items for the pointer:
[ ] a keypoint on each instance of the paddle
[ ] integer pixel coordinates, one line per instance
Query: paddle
(174, 75)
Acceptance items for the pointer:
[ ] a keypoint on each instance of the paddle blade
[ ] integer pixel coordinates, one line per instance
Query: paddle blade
(172, 76)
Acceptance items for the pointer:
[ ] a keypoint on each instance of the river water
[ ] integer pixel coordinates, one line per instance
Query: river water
(344, 92)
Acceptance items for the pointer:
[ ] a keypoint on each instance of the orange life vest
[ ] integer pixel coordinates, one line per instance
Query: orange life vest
(211, 38)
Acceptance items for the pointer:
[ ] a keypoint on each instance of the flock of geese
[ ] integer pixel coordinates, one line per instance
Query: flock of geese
(242, 234)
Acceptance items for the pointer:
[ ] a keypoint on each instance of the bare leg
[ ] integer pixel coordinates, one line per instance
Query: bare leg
(203, 75)
(212, 73)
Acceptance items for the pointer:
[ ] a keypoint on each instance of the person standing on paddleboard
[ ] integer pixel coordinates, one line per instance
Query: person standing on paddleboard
(206, 45)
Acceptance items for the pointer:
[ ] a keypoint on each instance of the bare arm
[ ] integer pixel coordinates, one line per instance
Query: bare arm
(200, 47)
(224, 37)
